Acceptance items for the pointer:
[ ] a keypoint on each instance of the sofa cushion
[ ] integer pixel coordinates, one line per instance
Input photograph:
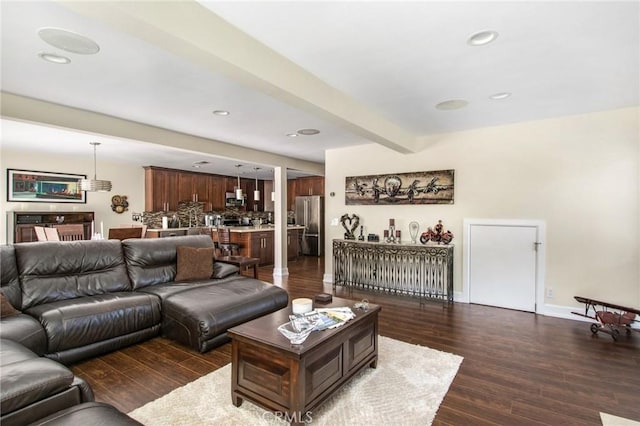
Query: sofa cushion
(9, 275)
(25, 330)
(224, 270)
(153, 261)
(194, 263)
(199, 316)
(85, 320)
(6, 308)
(55, 271)
(88, 413)
(27, 378)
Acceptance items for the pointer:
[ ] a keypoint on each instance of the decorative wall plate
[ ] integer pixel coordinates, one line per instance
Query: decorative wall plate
(119, 203)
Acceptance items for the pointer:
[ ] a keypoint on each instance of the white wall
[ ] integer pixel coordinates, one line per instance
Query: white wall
(126, 179)
(579, 174)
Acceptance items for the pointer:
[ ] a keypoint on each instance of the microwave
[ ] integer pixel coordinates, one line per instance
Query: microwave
(232, 201)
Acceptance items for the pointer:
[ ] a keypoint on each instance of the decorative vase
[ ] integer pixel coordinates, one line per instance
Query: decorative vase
(414, 227)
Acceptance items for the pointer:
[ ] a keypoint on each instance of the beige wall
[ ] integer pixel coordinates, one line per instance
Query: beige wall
(126, 179)
(579, 174)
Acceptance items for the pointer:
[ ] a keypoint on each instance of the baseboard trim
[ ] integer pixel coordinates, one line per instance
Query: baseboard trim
(549, 310)
(280, 272)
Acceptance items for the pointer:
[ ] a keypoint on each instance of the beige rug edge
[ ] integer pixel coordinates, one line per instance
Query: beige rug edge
(394, 392)
(611, 420)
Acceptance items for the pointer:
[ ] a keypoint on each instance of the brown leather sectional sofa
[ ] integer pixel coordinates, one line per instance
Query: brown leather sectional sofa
(84, 298)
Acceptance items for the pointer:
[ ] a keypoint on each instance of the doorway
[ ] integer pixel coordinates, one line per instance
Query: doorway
(504, 263)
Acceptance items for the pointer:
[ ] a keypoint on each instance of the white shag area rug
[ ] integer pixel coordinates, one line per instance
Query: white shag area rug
(406, 388)
(611, 420)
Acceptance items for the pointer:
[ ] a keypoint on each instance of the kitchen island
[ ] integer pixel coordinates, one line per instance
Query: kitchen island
(254, 241)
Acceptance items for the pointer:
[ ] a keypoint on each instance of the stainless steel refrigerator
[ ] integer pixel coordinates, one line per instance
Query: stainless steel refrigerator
(310, 214)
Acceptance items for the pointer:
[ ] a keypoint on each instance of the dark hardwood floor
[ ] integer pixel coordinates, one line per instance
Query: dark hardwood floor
(518, 368)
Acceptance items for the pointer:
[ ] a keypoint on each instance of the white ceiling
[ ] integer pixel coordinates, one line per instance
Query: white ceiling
(390, 62)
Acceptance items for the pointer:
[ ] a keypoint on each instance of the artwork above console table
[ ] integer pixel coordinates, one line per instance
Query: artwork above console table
(406, 269)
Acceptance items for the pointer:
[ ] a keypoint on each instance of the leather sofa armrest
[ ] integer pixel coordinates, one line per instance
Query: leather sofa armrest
(86, 393)
(223, 270)
(29, 381)
(26, 330)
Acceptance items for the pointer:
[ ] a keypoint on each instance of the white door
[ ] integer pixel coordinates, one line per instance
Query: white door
(502, 265)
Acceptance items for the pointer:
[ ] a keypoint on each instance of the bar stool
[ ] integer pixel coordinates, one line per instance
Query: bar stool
(227, 248)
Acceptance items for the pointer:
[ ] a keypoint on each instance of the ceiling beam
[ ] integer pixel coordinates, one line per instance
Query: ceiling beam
(189, 30)
(38, 111)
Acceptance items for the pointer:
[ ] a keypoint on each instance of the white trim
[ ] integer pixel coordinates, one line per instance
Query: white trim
(565, 312)
(540, 264)
(280, 272)
(327, 278)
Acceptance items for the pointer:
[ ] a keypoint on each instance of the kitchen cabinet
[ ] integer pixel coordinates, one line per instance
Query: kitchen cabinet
(262, 247)
(260, 243)
(310, 185)
(161, 189)
(217, 189)
(164, 188)
(194, 187)
(291, 194)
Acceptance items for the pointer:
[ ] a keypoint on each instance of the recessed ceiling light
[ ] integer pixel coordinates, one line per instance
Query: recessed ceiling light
(221, 112)
(292, 135)
(52, 57)
(200, 163)
(308, 132)
(501, 95)
(482, 38)
(452, 104)
(69, 41)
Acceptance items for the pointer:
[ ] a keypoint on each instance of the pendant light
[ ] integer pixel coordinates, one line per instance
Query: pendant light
(256, 192)
(94, 185)
(239, 195)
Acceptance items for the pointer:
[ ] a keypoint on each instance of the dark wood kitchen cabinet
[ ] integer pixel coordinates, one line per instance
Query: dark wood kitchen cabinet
(164, 188)
(161, 189)
(310, 185)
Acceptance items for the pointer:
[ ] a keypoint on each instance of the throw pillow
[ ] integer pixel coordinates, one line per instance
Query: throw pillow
(194, 263)
(6, 308)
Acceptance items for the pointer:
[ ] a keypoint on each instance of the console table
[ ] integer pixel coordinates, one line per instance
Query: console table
(408, 269)
(22, 222)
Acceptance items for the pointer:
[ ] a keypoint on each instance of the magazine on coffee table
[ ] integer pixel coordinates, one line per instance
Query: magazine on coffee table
(324, 318)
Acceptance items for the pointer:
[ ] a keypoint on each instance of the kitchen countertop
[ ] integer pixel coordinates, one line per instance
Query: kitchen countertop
(238, 229)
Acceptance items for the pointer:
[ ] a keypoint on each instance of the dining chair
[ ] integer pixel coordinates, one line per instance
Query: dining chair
(73, 232)
(40, 233)
(129, 225)
(51, 234)
(125, 233)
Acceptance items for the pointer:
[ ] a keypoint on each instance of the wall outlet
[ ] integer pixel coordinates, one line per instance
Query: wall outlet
(335, 221)
(550, 293)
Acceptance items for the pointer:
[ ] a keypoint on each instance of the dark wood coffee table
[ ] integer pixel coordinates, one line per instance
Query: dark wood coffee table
(294, 380)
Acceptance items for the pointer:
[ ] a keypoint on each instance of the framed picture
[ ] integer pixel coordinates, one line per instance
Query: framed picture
(44, 187)
(432, 187)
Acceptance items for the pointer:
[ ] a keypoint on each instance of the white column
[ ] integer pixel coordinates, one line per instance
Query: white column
(280, 217)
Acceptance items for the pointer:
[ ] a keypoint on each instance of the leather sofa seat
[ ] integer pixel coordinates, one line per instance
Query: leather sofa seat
(80, 294)
(97, 324)
(33, 387)
(200, 317)
(198, 314)
(89, 413)
(25, 330)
